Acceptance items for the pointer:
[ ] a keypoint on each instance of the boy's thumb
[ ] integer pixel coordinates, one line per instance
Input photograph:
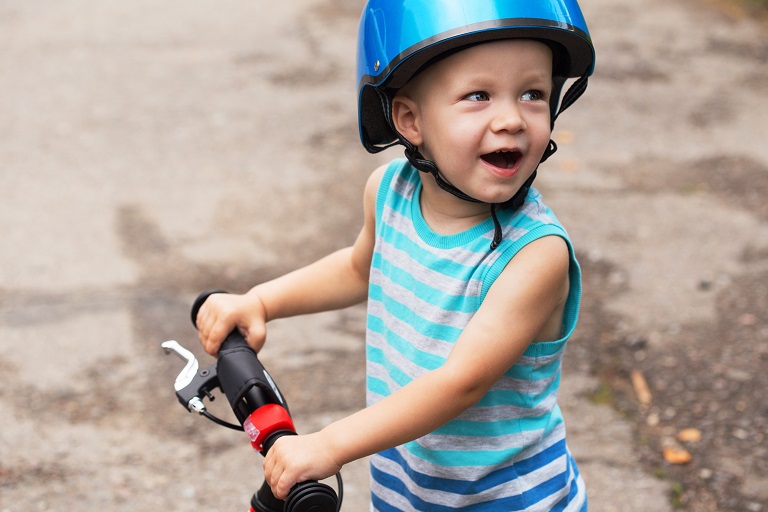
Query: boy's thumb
(256, 336)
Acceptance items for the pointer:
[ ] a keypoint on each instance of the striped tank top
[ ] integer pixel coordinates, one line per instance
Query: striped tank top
(508, 451)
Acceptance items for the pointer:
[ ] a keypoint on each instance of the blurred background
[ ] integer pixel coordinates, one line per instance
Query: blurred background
(151, 150)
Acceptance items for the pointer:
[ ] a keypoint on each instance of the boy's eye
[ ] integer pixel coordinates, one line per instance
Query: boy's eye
(478, 96)
(533, 95)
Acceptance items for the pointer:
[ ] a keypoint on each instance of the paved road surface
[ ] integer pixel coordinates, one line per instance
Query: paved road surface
(150, 150)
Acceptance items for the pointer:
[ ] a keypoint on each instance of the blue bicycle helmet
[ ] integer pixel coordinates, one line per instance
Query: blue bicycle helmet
(398, 38)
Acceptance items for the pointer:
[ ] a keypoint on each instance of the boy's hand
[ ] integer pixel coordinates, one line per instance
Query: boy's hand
(222, 312)
(295, 459)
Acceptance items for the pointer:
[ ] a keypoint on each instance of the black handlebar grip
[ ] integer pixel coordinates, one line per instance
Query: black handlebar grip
(311, 496)
(243, 378)
(199, 303)
(308, 496)
(264, 501)
(241, 374)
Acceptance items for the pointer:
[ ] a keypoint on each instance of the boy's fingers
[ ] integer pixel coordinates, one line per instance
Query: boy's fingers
(203, 324)
(200, 318)
(282, 488)
(269, 473)
(273, 479)
(275, 474)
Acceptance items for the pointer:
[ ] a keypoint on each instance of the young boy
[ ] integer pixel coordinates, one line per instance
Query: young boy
(472, 285)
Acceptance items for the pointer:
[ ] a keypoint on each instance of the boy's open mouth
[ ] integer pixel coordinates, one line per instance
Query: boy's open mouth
(503, 159)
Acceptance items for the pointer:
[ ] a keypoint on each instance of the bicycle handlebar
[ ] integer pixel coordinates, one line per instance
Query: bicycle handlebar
(258, 406)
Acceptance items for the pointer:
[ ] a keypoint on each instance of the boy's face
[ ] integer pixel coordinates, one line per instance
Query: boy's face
(482, 115)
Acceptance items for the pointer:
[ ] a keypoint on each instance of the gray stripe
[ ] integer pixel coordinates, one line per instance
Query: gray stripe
(404, 187)
(530, 387)
(513, 234)
(538, 362)
(537, 211)
(439, 442)
(509, 412)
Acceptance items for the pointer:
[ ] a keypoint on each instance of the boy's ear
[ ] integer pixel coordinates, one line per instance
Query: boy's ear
(405, 117)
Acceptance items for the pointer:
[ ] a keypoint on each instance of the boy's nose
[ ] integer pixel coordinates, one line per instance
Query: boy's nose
(508, 118)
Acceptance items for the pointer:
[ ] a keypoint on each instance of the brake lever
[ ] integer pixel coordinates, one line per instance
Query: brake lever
(192, 385)
(189, 371)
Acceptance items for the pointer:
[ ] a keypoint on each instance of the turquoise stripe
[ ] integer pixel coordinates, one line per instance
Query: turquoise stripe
(519, 372)
(377, 386)
(546, 370)
(496, 397)
(535, 371)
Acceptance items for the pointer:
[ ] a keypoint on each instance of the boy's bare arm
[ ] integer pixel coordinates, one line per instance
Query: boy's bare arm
(518, 307)
(333, 282)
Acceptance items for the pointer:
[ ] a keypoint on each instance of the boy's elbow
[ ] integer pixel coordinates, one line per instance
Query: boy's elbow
(466, 388)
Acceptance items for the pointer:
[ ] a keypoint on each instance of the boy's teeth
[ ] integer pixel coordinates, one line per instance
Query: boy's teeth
(502, 158)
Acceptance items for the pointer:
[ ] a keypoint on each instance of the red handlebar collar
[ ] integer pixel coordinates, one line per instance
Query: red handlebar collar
(265, 421)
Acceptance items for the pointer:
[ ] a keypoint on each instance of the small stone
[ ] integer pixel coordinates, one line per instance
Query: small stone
(677, 456)
(689, 435)
(740, 433)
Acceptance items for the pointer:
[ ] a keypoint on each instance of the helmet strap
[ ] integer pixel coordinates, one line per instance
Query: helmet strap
(417, 160)
(573, 93)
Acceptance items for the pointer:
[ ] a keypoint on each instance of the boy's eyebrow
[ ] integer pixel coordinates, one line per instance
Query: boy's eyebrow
(486, 77)
(537, 74)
